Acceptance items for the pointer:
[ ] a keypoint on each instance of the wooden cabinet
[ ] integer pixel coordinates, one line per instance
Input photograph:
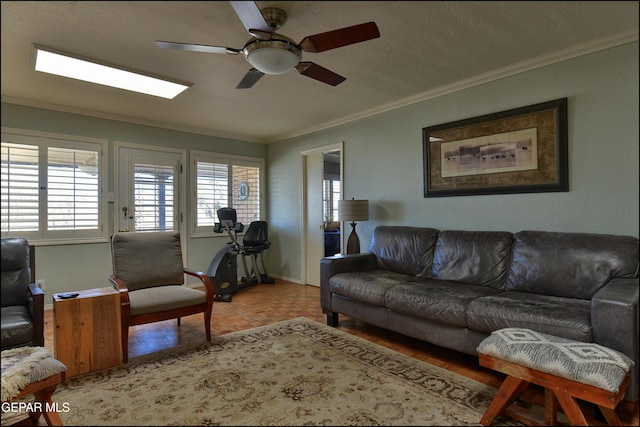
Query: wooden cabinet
(87, 330)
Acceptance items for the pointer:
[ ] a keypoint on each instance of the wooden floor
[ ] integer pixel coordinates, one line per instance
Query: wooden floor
(263, 304)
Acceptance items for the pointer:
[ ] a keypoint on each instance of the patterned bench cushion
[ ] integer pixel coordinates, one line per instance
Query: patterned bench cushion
(22, 366)
(586, 363)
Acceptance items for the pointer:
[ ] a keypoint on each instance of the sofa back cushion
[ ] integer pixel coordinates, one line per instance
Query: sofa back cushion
(473, 257)
(406, 250)
(572, 265)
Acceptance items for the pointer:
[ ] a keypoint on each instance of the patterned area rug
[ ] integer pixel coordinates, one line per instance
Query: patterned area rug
(297, 372)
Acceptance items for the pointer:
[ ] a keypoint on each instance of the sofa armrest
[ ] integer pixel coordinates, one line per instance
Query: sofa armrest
(330, 266)
(614, 319)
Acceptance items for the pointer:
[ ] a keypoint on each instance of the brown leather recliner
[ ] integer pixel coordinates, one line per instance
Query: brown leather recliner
(22, 300)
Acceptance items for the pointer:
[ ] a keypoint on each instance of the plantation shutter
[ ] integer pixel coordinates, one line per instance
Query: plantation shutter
(73, 189)
(20, 188)
(212, 181)
(154, 197)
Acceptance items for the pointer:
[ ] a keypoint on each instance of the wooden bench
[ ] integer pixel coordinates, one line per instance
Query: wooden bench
(31, 371)
(567, 370)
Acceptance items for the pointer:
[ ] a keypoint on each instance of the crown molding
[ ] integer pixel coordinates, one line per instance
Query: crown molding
(500, 73)
(521, 67)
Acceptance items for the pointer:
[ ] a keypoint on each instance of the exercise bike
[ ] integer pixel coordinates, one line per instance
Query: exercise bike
(223, 269)
(254, 243)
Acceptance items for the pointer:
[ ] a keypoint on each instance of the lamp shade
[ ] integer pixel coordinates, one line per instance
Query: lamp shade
(353, 210)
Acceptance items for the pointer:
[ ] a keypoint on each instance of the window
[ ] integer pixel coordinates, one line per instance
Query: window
(153, 197)
(330, 197)
(52, 187)
(225, 181)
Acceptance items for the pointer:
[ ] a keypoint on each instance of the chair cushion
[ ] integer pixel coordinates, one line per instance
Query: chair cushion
(257, 235)
(25, 365)
(15, 271)
(153, 300)
(586, 363)
(147, 259)
(16, 326)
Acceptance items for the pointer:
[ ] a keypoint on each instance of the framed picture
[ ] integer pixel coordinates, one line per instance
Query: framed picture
(523, 150)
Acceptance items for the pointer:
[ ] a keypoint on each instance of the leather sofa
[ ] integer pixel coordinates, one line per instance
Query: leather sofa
(22, 301)
(453, 288)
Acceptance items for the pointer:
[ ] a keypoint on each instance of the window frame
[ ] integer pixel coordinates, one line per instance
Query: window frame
(44, 140)
(230, 160)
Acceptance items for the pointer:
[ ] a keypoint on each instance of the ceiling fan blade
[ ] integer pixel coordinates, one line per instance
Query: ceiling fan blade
(317, 72)
(252, 19)
(197, 47)
(342, 37)
(250, 79)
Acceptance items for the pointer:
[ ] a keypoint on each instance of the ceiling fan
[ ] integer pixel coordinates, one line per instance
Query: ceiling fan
(272, 53)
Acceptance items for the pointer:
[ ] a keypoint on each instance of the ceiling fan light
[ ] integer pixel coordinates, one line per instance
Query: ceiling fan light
(272, 56)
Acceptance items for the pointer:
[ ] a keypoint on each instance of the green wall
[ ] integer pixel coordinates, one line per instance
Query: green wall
(84, 266)
(383, 159)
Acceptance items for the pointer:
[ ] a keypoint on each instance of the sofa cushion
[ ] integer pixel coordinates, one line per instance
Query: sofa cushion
(572, 265)
(406, 250)
(17, 326)
(368, 286)
(473, 257)
(563, 317)
(437, 300)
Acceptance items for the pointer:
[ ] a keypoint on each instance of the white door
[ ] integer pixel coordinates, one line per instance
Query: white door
(312, 211)
(314, 224)
(149, 187)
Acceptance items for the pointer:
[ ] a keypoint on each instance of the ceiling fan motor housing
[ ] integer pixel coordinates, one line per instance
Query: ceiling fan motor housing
(275, 56)
(274, 16)
(272, 53)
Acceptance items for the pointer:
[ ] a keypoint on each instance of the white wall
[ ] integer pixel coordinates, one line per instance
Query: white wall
(383, 160)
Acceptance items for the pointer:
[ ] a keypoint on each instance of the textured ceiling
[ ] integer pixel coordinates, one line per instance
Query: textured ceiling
(425, 49)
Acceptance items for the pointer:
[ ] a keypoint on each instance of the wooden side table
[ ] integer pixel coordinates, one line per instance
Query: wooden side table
(87, 330)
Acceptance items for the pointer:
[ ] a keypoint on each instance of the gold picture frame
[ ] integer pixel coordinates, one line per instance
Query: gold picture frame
(523, 150)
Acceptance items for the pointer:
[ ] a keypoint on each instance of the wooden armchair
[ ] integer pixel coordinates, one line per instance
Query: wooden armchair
(148, 272)
(22, 300)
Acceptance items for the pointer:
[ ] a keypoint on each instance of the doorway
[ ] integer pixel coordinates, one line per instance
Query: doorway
(150, 190)
(331, 193)
(322, 188)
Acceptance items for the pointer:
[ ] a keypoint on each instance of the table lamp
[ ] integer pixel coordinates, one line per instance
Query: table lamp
(353, 210)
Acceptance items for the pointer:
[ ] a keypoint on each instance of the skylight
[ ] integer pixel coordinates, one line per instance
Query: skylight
(49, 61)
